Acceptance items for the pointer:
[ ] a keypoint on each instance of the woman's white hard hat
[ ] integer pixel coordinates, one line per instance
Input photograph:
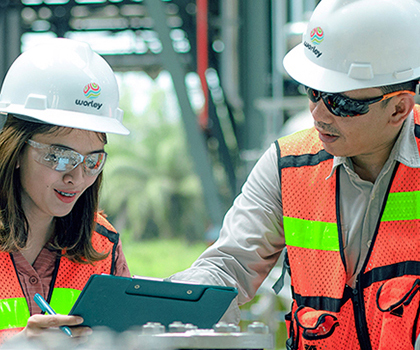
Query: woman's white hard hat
(63, 82)
(356, 44)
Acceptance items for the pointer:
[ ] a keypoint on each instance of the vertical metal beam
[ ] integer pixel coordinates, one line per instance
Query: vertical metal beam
(297, 7)
(3, 16)
(279, 19)
(255, 68)
(195, 138)
(229, 61)
(10, 33)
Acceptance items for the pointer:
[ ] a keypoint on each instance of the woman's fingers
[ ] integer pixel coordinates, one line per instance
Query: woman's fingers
(80, 331)
(47, 321)
(37, 323)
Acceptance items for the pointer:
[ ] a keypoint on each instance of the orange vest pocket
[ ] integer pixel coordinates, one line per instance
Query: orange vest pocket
(313, 328)
(398, 299)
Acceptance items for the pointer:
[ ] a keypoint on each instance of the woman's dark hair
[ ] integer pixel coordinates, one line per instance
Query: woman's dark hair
(73, 232)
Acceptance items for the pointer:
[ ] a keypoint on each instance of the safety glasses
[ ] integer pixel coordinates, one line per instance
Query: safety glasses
(64, 160)
(343, 106)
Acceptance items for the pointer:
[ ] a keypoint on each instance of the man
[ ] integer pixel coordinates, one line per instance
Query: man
(342, 196)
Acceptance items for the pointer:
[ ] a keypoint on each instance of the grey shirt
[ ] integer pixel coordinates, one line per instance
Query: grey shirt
(252, 235)
(361, 201)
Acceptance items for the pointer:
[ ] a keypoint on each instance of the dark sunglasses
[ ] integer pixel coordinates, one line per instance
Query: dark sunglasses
(343, 106)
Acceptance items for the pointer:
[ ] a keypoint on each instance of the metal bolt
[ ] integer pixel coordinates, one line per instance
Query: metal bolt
(258, 328)
(153, 328)
(177, 327)
(233, 328)
(190, 327)
(220, 327)
(223, 327)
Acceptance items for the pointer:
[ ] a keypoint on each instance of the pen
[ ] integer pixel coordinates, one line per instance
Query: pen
(47, 308)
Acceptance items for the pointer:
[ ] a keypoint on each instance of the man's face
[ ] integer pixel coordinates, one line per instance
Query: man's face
(364, 135)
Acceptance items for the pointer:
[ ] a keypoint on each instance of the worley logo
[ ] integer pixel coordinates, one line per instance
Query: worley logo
(317, 35)
(91, 91)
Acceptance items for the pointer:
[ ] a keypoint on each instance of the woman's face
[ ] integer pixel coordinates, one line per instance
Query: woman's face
(47, 193)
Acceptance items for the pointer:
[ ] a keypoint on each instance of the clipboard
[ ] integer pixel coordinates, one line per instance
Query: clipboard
(121, 303)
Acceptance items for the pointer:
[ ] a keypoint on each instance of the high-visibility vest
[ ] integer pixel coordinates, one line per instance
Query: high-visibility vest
(67, 282)
(382, 311)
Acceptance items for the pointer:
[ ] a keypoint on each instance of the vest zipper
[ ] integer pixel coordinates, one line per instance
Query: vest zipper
(360, 318)
(358, 302)
(54, 276)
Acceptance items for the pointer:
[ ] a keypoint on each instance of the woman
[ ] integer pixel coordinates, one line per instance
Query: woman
(58, 101)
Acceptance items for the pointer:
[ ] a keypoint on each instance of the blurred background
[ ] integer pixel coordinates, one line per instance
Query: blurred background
(204, 94)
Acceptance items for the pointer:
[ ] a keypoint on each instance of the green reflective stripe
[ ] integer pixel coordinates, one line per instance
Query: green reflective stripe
(402, 206)
(14, 313)
(311, 234)
(63, 299)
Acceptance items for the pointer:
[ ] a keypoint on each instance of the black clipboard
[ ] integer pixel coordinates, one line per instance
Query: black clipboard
(121, 302)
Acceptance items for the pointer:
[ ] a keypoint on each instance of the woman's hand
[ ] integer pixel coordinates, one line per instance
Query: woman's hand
(39, 323)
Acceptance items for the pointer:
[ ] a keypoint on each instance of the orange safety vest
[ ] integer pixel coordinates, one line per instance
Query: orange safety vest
(382, 311)
(67, 282)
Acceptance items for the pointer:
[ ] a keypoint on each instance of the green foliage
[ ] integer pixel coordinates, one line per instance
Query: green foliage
(150, 189)
(161, 258)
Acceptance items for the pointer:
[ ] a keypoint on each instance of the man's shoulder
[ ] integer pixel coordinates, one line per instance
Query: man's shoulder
(416, 114)
(298, 135)
(306, 141)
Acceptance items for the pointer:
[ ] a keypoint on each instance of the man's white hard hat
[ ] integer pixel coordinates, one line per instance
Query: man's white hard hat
(356, 44)
(63, 82)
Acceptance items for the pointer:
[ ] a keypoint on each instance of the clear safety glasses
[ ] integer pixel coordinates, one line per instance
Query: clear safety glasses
(343, 106)
(64, 160)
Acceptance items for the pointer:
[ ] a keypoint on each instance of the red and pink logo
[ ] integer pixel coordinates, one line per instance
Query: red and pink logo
(317, 35)
(92, 90)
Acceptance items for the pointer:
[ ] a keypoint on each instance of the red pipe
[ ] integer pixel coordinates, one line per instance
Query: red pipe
(202, 56)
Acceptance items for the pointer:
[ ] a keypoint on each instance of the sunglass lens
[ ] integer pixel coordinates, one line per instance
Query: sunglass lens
(95, 162)
(342, 106)
(60, 159)
(313, 95)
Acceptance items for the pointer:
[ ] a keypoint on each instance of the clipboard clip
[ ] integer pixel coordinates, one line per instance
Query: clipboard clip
(172, 290)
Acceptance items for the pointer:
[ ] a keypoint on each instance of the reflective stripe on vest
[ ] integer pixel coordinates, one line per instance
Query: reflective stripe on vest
(14, 313)
(397, 209)
(63, 299)
(311, 234)
(316, 257)
(70, 280)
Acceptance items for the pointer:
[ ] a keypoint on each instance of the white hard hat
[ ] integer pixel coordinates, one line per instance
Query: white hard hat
(356, 44)
(63, 82)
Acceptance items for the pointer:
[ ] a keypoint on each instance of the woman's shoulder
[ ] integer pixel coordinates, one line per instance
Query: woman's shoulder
(104, 227)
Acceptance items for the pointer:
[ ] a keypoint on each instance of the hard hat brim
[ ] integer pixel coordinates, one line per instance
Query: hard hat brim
(306, 72)
(68, 119)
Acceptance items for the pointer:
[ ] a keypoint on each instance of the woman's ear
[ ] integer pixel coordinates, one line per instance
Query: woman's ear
(403, 107)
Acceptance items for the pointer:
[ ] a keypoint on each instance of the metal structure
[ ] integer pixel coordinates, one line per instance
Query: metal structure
(154, 336)
(239, 64)
(10, 33)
